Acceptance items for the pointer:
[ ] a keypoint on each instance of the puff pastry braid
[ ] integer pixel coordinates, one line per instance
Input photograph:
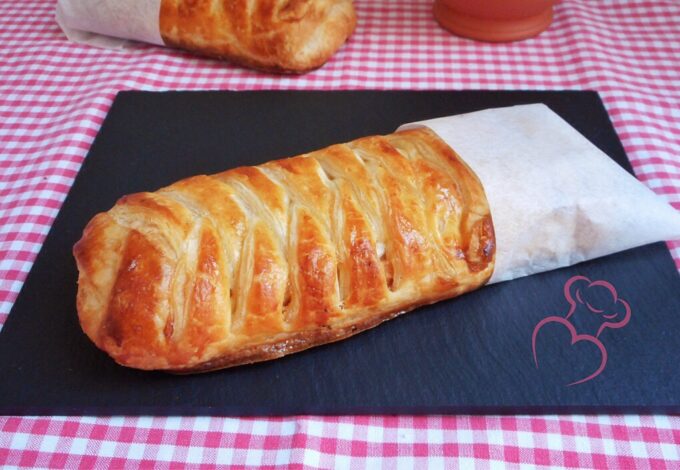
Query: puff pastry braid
(259, 262)
(275, 35)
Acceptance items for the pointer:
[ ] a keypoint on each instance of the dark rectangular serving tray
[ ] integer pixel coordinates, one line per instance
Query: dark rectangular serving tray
(472, 354)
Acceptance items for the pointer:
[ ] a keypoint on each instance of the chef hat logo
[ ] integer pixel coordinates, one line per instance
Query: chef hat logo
(600, 299)
(600, 303)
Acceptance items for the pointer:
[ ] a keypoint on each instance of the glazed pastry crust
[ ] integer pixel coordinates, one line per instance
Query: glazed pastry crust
(258, 262)
(292, 36)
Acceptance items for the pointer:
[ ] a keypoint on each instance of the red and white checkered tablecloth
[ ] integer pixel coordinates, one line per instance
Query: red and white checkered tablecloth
(55, 94)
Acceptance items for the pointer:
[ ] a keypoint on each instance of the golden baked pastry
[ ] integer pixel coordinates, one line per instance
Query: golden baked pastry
(259, 262)
(275, 35)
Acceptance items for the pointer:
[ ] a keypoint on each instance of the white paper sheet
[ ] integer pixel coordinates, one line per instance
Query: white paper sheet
(555, 198)
(110, 23)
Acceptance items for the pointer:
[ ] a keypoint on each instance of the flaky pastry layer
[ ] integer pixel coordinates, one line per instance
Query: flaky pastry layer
(274, 35)
(258, 262)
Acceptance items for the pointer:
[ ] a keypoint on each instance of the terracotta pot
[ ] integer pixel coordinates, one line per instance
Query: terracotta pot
(494, 20)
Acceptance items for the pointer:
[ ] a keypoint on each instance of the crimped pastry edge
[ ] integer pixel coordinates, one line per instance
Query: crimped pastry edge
(302, 340)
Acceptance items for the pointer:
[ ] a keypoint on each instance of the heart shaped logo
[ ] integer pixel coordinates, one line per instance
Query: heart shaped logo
(593, 307)
(567, 353)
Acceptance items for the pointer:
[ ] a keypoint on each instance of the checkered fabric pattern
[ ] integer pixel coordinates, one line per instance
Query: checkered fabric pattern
(55, 94)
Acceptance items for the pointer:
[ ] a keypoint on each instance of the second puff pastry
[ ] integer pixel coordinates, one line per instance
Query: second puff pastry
(258, 262)
(274, 35)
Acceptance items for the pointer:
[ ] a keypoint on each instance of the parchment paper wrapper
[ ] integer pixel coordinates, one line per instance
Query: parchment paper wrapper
(555, 198)
(110, 23)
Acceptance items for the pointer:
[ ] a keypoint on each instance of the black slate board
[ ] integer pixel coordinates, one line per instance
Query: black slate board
(468, 355)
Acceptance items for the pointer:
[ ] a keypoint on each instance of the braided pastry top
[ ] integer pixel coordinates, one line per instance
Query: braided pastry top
(275, 35)
(258, 262)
